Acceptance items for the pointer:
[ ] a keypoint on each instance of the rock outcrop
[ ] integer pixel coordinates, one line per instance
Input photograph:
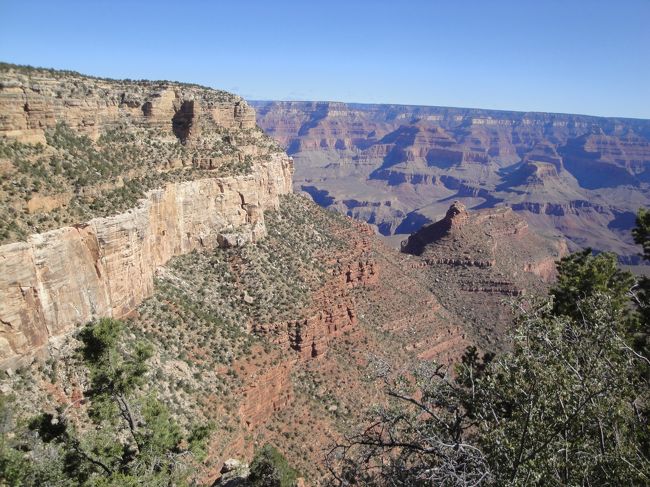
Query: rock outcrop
(66, 277)
(476, 258)
(455, 218)
(398, 166)
(362, 301)
(31, 102)
(57, 280)
(266, 392)
(333, 309)
(275, 342)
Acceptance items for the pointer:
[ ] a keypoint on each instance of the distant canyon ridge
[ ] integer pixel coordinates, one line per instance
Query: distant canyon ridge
(400, 167)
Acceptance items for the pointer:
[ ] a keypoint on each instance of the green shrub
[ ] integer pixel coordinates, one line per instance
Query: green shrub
(269, 468)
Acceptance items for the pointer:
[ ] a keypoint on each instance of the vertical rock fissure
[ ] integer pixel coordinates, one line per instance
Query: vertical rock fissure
(183, 120)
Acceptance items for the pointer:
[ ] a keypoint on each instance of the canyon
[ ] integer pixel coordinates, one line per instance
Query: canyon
(479, 259)
(164, 205)
(115, 258)
(399, 167)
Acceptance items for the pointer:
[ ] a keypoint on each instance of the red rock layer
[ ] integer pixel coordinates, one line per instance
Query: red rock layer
(333, 309)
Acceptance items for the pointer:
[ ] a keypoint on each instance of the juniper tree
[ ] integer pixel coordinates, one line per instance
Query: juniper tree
(270, 468)
(566, 406)
(130, 437)
(640, 333)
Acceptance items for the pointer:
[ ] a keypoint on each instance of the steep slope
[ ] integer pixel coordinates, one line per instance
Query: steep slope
(74, 147)
(127, 175)
(269, 315)
(398, 167)
(475, 260)
(274, 341)
(278, 341)
(267, 312)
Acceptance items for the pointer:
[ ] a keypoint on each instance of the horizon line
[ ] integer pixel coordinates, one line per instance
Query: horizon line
(256, 99)
(448, 107)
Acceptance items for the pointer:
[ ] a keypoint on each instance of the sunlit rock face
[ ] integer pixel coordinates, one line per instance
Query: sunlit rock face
(54, 281)
(399, 167)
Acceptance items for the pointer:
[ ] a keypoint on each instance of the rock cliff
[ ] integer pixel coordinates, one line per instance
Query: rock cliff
(32, 100)
(397, 167)
(51, 282)
(476, 258)
(333, 309)
(277, 341)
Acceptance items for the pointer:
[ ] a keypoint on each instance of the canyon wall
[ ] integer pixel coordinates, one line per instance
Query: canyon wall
(32, 101)
(333, 310)
(51, 282)
(398, 166)
(66, 277)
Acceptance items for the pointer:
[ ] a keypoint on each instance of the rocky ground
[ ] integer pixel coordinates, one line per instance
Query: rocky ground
(74, 147)
(269, 315)
(480, 262)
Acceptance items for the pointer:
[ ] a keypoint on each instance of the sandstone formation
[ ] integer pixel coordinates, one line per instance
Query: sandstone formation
(32, 101)
(267, 314)
(477, 258)
(307, 369)
(266, 392)
(398, 167)
(74, 147)
(63, 278)
(297, 381)
(54, 281)
(333, 308)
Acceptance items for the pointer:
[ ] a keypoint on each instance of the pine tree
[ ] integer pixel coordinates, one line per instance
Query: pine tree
(131, 438)
(567, 406)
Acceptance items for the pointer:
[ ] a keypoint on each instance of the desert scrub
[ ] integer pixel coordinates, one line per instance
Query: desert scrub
(206, 303)
(85, 178)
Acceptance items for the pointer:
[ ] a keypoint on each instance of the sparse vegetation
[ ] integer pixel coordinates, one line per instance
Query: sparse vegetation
(123, 437)
(568, 405)
(198, 321)
(77, 178)
(104, 167)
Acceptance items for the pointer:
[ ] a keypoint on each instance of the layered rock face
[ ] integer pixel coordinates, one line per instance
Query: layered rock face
(322, 289)
(397, 167)
(476, 258)
(333, 309)
(31, 102)
(277, 341)
(74, 147)
(57, 280)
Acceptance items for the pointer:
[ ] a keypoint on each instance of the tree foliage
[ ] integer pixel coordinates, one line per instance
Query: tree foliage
(568, 405)
(642, 237)
(421, 437)
(130, 439)
(559, 410)
(640, 333)
(582, 275)
(641, 232)
(270, 468)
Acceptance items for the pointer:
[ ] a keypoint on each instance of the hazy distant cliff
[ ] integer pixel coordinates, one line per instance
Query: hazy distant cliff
(183, 169)
(399, 166)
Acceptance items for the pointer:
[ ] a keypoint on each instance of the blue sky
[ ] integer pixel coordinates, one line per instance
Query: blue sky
(569, 56)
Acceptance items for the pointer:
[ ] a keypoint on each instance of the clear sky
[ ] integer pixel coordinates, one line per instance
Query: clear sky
(574, 56)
